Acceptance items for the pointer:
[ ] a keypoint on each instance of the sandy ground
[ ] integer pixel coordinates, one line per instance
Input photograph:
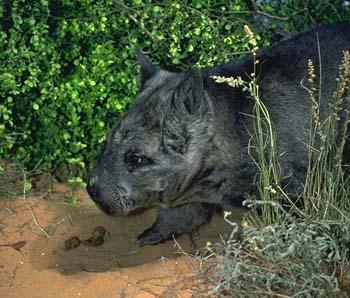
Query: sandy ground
(42, 267)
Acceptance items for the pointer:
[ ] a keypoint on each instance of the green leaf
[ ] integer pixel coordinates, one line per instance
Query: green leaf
(156, 8)
(119, 106)
(66, 136)
(197, 31)
(190, 48)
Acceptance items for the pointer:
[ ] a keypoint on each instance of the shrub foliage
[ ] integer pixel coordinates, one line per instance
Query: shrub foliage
(68, 68)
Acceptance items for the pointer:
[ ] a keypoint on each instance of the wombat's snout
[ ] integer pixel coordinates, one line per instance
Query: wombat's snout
(95, 193)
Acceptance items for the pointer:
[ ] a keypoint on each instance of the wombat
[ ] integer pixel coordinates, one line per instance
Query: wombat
(183, 145)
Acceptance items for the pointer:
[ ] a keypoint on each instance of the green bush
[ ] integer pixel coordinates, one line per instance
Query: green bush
(68, 68)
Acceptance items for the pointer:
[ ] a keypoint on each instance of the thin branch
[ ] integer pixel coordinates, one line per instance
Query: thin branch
(134, 19)
(272, 16)
(29, 207)
(308, 13)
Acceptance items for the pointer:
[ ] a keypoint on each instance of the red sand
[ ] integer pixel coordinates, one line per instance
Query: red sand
(118, 268)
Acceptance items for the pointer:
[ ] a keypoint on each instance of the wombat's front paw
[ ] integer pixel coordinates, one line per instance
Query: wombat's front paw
(150, 237)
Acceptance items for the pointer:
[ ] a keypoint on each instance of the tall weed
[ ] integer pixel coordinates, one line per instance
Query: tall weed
(299, 252)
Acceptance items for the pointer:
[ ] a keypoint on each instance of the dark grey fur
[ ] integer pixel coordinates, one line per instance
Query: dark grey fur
(182, 146)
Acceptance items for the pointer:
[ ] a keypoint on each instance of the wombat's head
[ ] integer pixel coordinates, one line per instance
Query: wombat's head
(153, 154)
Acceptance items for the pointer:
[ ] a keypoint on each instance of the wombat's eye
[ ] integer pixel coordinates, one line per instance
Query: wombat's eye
(134, 160)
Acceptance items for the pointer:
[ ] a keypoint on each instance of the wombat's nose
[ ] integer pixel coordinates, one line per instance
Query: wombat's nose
(95, 194)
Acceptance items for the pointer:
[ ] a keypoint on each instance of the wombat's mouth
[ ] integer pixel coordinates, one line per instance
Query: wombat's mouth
(131, 212)
(137, 210)
(124, 210)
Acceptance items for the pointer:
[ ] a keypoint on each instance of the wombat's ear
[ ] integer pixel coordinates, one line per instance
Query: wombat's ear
(148, 70)
(190, 92)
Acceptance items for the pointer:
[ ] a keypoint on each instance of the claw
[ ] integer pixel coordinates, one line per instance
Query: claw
(149, 237)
